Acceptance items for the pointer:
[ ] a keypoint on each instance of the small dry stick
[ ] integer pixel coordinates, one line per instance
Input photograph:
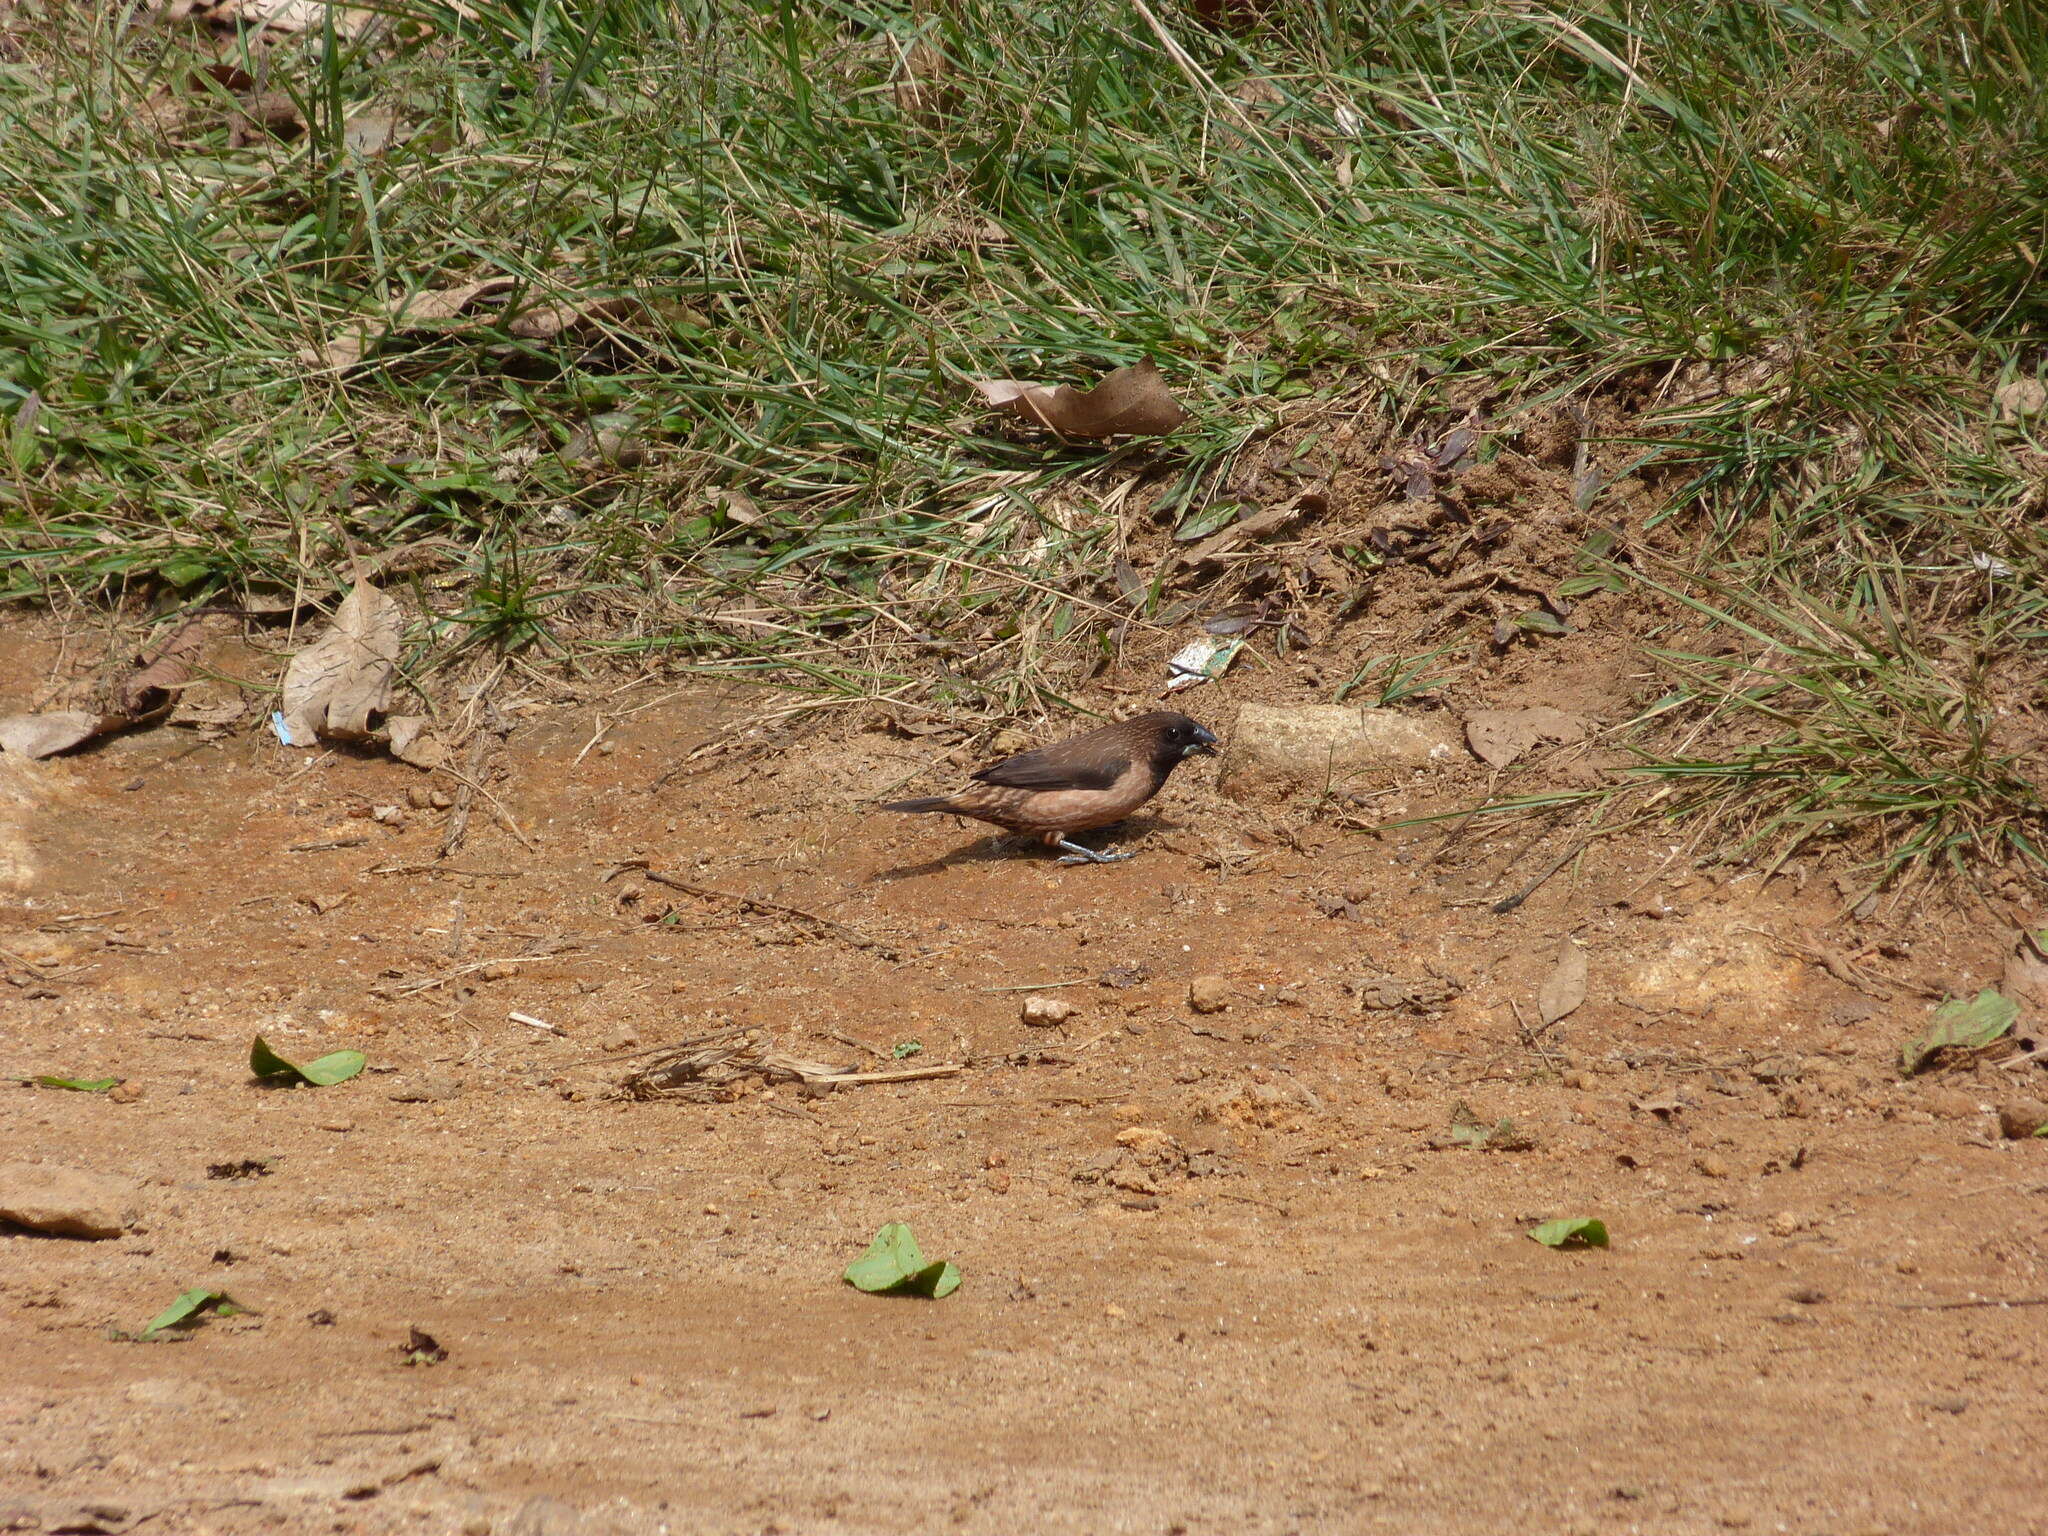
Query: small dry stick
(465, 792)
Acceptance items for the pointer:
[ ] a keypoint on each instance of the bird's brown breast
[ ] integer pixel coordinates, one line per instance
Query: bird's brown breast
(1061, 810)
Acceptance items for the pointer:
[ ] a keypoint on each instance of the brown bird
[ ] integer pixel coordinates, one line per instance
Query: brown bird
(1086, 781)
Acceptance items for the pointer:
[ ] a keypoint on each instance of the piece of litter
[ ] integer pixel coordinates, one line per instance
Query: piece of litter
(1201, 661)
(277, 725)
(532, 1023)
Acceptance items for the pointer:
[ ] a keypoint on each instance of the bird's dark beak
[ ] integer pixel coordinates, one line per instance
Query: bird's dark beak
(1204, 743)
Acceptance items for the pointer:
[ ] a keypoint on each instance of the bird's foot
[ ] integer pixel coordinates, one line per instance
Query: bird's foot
(1076, 854)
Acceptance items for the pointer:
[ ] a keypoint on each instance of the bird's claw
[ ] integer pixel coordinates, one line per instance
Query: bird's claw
(1076, 854)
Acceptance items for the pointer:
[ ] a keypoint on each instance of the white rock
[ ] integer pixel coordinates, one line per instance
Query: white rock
(1042, 1012)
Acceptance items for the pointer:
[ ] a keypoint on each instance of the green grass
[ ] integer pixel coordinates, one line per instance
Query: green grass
(1805, 240)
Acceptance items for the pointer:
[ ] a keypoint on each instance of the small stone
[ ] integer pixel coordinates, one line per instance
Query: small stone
(1042, 1012)
(125, 1093)
(65, 1202)
(1785, 1223)
(419, 797)
(340, 1126)
(1208, 994)
(441, 800)
(2022, 1118)
(498, 970)
(622, 1039)
(996, 1159)
(998, 1179)
(389, 815)
(1807, 1296)
(1711, 1167)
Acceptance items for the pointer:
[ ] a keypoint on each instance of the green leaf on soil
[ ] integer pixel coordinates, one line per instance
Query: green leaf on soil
(189, 1310)
(1572, 1232)
(1967, 1024)
(908, 1048)
(894, 1265)
(337, 1067)
(79, 1084)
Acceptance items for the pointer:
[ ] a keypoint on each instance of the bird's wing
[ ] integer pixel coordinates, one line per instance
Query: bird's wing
(1077, 764)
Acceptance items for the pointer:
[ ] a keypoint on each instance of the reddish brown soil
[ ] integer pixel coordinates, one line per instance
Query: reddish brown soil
(1280, 1310)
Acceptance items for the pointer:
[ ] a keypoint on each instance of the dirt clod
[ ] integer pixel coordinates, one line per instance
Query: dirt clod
(64, 1202)
(1208, 994)
(2022, 1118)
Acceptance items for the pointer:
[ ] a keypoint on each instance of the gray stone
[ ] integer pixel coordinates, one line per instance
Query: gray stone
(1280, 748)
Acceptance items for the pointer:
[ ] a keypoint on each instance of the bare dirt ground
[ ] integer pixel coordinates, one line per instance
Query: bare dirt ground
(1225, 1272)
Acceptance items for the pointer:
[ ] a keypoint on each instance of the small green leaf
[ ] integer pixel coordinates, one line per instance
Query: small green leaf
(908, 1048)
(338, 1067)
(1968, 1024)
(1542, 623)
(1211, 519)
(80, 1084)
(1571, 1232)
(189, 1310)
(895, 1265)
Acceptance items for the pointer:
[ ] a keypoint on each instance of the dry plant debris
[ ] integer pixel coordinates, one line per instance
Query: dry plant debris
(714, 1068)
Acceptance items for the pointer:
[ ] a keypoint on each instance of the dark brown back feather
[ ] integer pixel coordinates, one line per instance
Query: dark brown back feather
(1093, 760)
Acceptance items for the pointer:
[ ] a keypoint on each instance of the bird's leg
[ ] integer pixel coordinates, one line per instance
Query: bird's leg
(1076, 854)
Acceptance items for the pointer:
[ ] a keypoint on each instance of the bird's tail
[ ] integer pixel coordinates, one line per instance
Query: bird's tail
(926, 803)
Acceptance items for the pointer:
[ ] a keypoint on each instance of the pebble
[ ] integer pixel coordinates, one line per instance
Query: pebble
(1208, 994)
(337, 1125)
(65, 1202)
(419, 797)
(1711, 1167)
(125, 1093)
(622, 1039)
(1042, 1012)
(1785, 1223)
(2022, 1118)
(498, 970)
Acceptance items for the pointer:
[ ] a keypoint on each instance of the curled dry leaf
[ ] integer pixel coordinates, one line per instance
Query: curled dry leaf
(1499, 736)
(1130, 402)
(1565, 987)
(155, 684)
(335, 684)
(48, 734)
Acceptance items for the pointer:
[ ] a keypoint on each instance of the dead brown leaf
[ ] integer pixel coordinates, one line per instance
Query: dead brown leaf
(1259, 525)
(272, 115)
(335, 684)
(1129, 402)
(155, 684)
(369, 134)
(1565, 987)
(48, 734)
(2026, 974)
(548, 321)
(1499, 736)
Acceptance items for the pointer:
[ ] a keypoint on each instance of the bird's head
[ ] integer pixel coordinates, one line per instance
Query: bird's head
(1185, 738)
